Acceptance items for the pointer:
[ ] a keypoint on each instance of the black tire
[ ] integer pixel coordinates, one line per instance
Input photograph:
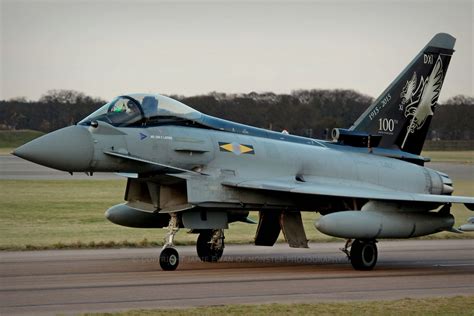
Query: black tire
(169, 259)
(204, 249)
(363, 255)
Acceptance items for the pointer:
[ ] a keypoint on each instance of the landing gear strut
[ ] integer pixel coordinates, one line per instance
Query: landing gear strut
(169, 258)
(210, 245)
(362, 254)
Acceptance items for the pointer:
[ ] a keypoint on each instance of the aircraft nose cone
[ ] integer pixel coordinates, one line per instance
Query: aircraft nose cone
(69, 149)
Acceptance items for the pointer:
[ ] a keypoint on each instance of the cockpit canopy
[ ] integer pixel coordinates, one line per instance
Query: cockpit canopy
(142, 109)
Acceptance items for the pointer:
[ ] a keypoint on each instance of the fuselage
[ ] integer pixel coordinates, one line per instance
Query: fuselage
(226, 154)
(152, 135)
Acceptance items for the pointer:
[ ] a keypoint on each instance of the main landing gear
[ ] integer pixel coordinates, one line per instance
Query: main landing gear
(169, 258)
(362, 253)
(210, 245)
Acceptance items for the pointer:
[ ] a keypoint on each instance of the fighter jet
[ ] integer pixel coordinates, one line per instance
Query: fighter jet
(186, 169)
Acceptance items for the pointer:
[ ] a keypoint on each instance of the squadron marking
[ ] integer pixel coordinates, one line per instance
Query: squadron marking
(236, 148)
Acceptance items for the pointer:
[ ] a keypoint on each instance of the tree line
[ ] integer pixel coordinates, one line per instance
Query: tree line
(303, 112)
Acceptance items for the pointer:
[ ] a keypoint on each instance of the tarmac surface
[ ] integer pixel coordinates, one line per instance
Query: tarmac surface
(76, 281)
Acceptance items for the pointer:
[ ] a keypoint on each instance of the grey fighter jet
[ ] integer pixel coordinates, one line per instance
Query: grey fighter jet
(189, 170)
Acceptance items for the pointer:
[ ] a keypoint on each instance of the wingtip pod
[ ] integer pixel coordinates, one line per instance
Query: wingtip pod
(442, 40)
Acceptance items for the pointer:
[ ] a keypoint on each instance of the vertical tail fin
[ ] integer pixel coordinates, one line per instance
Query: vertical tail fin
(403, 112)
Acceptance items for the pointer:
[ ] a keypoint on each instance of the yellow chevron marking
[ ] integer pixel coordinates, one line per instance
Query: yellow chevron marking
(228, 147)
(236, 148)
(245, 149)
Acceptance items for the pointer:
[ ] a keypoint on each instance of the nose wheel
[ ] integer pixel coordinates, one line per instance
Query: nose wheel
(169, 257)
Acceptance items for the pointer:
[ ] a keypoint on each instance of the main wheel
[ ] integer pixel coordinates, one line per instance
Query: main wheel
(363, 255)
(208, 248)
(169, 259)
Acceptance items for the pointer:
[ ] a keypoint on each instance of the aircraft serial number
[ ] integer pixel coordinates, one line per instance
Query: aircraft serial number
(161, 137)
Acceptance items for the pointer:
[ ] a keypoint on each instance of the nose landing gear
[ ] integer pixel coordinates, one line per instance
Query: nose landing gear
(169, 257)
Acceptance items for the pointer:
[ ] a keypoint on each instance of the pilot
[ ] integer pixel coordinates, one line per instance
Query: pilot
(119, 108)
(132, 108)
(150, 106)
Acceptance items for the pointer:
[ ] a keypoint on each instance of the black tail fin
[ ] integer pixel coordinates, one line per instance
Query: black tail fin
(403, 112)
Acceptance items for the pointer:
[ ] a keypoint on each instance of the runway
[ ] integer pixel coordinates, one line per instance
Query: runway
(74, 281)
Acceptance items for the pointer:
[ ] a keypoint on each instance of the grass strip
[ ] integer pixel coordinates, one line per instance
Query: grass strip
(465, 156)
(12, 139)
(459, 305)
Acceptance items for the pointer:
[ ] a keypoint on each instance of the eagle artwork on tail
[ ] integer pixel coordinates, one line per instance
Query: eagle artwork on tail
(427, 95)
(408, 92)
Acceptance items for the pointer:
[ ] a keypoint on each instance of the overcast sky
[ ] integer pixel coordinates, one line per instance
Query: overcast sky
(106, 48)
